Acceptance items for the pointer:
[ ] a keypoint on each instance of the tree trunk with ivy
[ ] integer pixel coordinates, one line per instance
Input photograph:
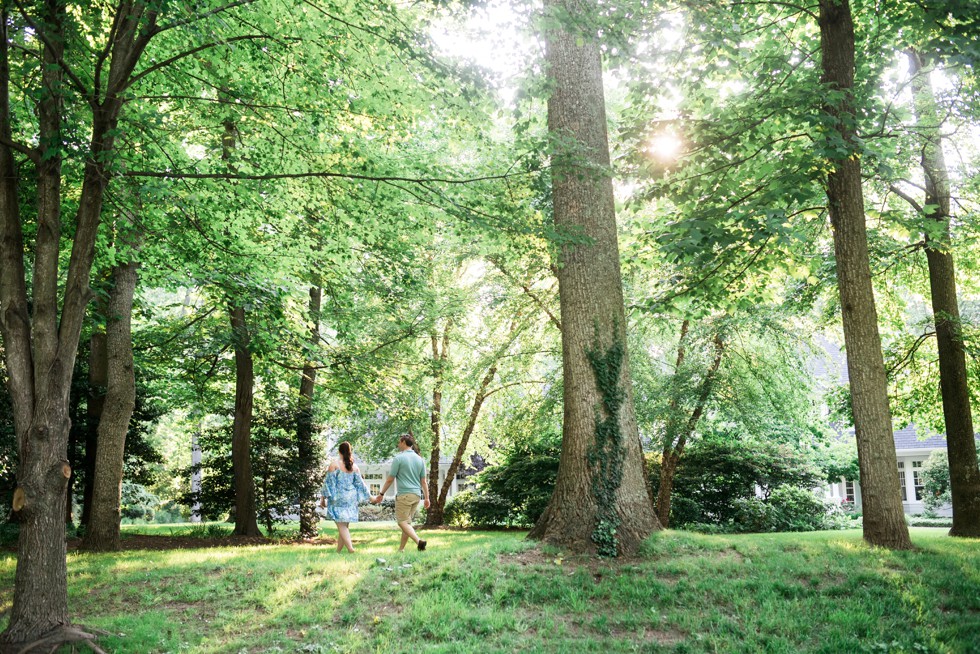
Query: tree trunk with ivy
(961, 446)
(883, 515)
(600, 503)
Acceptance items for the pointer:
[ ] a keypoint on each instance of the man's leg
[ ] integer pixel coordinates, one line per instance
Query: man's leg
(408, 532)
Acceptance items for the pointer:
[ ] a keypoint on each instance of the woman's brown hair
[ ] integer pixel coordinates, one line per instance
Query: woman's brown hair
(345, 454)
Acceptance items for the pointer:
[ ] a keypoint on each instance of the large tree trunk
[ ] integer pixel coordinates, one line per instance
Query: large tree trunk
(310, 481)
(98, 381)
(961, 446)
(600, 502)
(41, 351)
(102, 530)
(241, 445)
(675, 441)
(884, 518)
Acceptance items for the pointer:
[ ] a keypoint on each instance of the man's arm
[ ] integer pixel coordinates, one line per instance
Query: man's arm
(384, 489)
(425, 489)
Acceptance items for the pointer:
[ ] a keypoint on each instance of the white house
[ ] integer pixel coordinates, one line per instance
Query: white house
(912, 454)
(829, 368)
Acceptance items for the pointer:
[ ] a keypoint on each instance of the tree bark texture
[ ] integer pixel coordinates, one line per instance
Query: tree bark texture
(592, 312)
(883, 515)
(102, 531)
(676, 439)
(961, 446)
(98, 380)
(241, 439)
(310, 465)
(440, 360)
(437, 509)
(40, 351)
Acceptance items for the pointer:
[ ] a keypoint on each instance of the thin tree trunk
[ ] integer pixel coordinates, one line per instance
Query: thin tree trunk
(98, 381)
(440, 359)
(600, 502)
(241, 445)
(961, 446)
(310, 464)
(674, 449)
(437, 509)
(102, 531)
(884, 518)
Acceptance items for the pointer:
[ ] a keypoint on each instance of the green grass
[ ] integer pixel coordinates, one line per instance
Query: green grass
(489, 592)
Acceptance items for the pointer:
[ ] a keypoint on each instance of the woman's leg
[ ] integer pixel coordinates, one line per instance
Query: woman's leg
(345, 536)
(340, 535)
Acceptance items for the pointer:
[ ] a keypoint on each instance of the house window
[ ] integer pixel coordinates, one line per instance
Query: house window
(849, 491)
(917, 479)
(901, 480)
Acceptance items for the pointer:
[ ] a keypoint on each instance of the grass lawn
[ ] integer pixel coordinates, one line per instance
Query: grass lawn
(491, 592)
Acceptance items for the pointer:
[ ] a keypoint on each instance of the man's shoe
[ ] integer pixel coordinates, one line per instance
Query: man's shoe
(421, 545)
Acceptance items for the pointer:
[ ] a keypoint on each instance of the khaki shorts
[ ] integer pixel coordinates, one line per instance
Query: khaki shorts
(406, 505)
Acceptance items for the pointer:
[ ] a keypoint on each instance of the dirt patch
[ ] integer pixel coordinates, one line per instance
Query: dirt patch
(146, 542)
(732, 553)
(596, 565)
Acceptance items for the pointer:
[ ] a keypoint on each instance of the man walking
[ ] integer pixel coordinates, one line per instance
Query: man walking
(408, 469)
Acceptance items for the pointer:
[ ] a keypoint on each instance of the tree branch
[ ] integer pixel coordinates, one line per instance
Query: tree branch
(188, 53)
(194, 19)
(326, 174)
(908, 198)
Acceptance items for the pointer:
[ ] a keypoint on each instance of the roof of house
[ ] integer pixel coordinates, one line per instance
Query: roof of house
(907, 438)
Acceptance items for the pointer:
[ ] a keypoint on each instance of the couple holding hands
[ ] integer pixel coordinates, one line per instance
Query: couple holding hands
(345, 489)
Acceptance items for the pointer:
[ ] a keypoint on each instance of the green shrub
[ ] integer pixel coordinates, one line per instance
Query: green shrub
(717, 481)
(923, 521)
(514, 493)
(935, 481)
(471, 509)
(137, 503)
(457, 512)
(796, 509)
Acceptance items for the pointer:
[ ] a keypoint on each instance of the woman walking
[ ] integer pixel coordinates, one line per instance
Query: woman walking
(345, 489)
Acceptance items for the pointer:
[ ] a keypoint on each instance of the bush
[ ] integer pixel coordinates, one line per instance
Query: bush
(470, 509)
(717, 481)
(935, 481)
(457, 512)
(377, 512)
(796, 509)
(137, 503)
(512, 494)
(923, 521)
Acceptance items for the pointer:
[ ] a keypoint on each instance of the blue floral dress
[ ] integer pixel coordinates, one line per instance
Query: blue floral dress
(344, 490)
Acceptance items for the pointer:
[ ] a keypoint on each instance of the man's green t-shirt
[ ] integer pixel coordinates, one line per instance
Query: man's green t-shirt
(408, 469)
